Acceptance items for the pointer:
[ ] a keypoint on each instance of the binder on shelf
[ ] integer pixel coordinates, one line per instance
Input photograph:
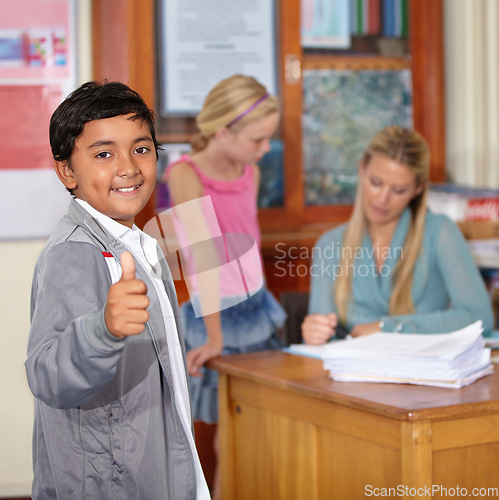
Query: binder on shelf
(404, 18)
(374, 17)
(389, 18)
(365, 17)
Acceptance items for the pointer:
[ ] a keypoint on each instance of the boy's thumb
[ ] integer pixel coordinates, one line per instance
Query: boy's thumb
(127, 266)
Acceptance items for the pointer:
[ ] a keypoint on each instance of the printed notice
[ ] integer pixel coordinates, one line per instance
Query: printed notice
(204, 41)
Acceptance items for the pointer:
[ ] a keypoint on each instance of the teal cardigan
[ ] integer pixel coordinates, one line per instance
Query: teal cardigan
(448, 291)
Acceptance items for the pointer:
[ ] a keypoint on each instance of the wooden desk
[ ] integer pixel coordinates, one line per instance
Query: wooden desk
(290, 432)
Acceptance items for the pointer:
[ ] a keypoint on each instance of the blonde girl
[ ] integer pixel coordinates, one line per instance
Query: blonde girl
(235, 125)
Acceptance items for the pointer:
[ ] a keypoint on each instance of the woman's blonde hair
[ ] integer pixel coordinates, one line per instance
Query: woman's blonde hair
(234, 102)
(410, 149)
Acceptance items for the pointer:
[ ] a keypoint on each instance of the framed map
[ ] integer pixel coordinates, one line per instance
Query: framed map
(271, 192)
(342, 110)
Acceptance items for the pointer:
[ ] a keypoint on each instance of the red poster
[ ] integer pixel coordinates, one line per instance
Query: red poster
(24, 125)
(37, 70)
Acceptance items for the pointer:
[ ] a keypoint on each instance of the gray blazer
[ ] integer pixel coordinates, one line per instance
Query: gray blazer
(106, 424)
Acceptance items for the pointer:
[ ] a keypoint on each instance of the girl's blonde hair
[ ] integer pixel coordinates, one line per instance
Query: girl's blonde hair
(231, 103)
(410, 149)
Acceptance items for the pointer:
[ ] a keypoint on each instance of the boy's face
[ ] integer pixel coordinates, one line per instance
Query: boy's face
(112, 167)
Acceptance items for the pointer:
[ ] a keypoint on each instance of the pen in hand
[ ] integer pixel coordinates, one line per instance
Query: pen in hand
(340, 332)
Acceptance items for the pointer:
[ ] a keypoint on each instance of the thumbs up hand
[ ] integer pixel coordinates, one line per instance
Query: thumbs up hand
(126, 307)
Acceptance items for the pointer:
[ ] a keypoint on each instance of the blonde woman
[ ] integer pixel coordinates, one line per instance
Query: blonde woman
(395, 266)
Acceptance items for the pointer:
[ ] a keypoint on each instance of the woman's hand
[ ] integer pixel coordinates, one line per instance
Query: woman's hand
(317, 329)
(364, 329)
(196, 358)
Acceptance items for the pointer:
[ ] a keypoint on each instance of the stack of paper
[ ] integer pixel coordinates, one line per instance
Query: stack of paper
(446, 360)
(485, 252)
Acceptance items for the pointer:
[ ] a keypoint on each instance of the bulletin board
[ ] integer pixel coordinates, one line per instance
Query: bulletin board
(37, 70)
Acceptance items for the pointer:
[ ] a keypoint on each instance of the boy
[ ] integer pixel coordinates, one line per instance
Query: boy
(106, 358)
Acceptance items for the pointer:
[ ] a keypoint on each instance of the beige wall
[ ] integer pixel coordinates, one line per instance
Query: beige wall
(17, 261)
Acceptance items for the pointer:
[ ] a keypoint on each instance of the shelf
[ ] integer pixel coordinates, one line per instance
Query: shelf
(354, 62)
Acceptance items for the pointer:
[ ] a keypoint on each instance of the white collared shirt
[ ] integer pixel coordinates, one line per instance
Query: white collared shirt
(144, 249)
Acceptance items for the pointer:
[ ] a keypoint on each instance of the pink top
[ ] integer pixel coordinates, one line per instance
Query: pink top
(235, 205)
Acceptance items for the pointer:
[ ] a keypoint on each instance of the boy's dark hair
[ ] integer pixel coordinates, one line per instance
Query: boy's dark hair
(94, 101)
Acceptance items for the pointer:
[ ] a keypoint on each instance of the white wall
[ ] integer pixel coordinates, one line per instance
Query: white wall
(17, 261)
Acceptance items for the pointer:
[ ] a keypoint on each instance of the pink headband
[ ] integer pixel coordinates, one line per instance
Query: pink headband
(251, 108)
